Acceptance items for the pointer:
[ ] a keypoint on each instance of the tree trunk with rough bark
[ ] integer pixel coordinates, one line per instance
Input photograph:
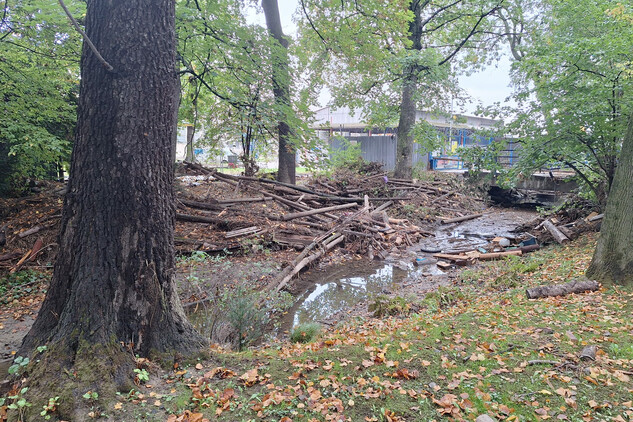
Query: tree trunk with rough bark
(408, 108)
(112, 294)
(613, 258)
(281, 91)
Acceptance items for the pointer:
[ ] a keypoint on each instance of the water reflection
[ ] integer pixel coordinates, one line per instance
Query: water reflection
(331, 292)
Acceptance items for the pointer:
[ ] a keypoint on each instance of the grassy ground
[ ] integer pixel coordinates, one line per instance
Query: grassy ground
(476, 348)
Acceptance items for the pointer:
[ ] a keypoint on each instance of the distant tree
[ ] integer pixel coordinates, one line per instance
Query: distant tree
(229, 92)
(573, 89)
(391, 58)
(112, 294)
(281, 89)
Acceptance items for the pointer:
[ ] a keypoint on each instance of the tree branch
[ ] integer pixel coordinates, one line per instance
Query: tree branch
(85, 36)
(305, 12)
(467, 38)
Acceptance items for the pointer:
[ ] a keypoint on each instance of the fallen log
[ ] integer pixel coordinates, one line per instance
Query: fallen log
(460, 219)
(481, 256)
(555, 232)
(497, 255)
(202, 205)
(29, 232)
(576, 286)
(529, 248)
(382, 207)
(241, 200)
(242, 232)
(596, 218)
(307, 213)
(198, 219)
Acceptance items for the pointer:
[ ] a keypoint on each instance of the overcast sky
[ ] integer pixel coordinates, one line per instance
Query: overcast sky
(486, 87)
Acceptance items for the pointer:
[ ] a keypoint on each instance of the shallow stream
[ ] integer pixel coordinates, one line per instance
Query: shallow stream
(321, 294)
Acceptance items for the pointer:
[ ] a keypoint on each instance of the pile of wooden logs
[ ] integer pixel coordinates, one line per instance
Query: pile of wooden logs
(301, 215)
(316, 217)
(563, 233)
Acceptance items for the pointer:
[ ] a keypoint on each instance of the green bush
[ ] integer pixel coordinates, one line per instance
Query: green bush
(305, 333)
(349, 155)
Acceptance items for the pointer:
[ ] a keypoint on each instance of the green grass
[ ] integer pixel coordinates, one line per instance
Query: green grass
(480, 347)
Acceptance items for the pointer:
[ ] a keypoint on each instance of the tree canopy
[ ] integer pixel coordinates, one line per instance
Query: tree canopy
(39, 72)
(573, 90)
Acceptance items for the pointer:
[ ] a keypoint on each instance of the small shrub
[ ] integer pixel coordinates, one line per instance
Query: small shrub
(305, 333)
(445, 297)
(241, 316)
(383, 305)
(348, 155)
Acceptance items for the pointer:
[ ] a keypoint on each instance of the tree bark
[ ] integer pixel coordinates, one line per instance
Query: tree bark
(113, 279)
(281, 91)
(408, 109)
(613, 258)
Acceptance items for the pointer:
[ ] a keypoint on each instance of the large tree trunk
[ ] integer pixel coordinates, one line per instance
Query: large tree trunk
(613, 259)
(408, 108)
(112, 292)
(281, 91)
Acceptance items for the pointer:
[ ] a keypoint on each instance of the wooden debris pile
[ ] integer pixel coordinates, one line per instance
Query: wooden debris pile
(559, 229)
(221, 212)
(322, 214)
(299, 216)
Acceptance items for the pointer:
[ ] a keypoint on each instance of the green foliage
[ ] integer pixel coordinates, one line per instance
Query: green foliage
(227, 90)
(19, 402)
(142, 376)
(573, 90)
(365, 52)
(249, 313)
(445, 297)
(39, 74)
(240, 316)
(19, 284)
(346, 156)
(91, 395)
(305, 333)
(480, 158)
(50, 408)
(19, 364)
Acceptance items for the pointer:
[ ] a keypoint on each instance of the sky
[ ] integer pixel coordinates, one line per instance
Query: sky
(486, 87)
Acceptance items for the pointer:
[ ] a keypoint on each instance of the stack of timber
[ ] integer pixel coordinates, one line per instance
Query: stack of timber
(359, 213)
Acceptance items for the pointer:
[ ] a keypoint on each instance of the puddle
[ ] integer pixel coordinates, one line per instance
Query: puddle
(325, 293)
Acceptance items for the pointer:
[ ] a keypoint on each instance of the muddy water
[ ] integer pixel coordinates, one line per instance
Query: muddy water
(476, 233)
(321, 294)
